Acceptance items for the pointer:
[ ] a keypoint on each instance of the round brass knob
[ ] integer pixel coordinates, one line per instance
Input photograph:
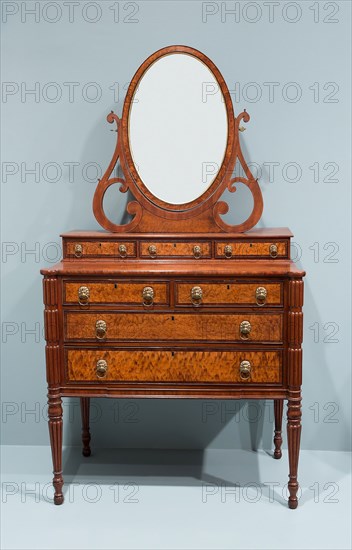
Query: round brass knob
(260, 295)
(122, 250)
(83, 295)
(100, 329)
(78, 250)
(196, 295)
(273, 250)
(152, 250)
(245, 370)
(148, 295)
(228, 251)
(101, 368)
(197, 251)
(245, 329)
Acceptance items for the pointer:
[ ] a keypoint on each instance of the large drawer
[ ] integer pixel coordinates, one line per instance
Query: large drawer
(221, 293)
(115, 292)
(245, 367)
(102, 326)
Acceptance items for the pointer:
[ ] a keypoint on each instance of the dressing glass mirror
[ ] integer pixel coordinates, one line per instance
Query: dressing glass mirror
(178, 128)
(177, 145)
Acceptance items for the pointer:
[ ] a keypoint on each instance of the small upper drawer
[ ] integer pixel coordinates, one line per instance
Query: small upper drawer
(213, 294)
(175, 249)
(261, 249)
(116, 292)
(96, 249)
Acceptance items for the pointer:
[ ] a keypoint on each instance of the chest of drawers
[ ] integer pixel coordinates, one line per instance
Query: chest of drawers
(163, 317)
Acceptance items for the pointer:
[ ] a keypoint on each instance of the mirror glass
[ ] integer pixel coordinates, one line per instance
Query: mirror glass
(178, 128)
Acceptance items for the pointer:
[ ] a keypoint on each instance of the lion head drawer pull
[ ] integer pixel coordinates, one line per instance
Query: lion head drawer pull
(273, 250)
(83, 295)
(123, 250)
(245, 370)
(148, 295)
(101, 368)
(197, 251)
(260, 295)
(152, 250)
(78, 250)
(228, 251)
(196, 295)
(245, 329)
(100, 329)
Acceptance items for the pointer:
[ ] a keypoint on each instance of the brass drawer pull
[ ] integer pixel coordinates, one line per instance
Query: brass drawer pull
(83, 295)
(101, 368)
(228, 251)
(245, 370)
(197, 251)
(260, 295)
(78, 250)
(100, 329)
(273, 250)
(245, 329)
(148, 295)
(122, 250)
(196, 295)
(152, 250)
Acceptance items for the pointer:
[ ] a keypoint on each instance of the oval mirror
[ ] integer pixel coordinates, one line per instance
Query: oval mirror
(177, 127)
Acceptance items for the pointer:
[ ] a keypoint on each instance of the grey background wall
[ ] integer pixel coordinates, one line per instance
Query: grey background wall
(65, 65)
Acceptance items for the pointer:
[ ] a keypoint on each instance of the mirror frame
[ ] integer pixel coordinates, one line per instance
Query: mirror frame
(203, 214)
(209, 196)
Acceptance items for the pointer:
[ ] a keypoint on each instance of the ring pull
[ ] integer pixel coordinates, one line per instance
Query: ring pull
(273, 250)
(78, 252)
(101, 368)
(245, 370)
(123, 250)
(245, 329)
(197, 251)
(196, 295)
(148, 295)
(228, 251)
(152, 251)
(100, 329)
(83, 295)
(260, 295)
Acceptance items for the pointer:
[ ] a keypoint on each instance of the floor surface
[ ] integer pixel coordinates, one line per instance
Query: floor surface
(135, 499)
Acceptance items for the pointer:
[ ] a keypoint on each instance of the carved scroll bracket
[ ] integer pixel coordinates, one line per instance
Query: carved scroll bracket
(133, 207)
(221, 207)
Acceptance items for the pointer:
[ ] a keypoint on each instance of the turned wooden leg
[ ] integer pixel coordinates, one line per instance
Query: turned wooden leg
(55, 431)
(85, 405)
(278, 409)
(293, 441)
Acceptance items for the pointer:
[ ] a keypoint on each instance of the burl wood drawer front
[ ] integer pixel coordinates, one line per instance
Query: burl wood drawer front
(241, 249)
(163, 326)
(119, 292)
(86, 249)
(182, 249)
(246, 367)
(229, 294)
